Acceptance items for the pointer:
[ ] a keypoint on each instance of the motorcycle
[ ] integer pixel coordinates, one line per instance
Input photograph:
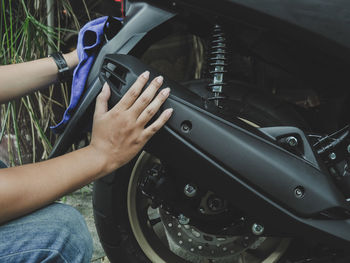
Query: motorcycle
(253, 166)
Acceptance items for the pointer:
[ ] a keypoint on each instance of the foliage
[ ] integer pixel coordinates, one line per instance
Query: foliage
(25, 122)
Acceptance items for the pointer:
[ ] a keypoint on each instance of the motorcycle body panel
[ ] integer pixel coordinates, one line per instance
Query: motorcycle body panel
(243, 164)
(227, 156)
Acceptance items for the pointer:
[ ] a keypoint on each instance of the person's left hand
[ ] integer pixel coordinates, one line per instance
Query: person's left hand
(119, 134)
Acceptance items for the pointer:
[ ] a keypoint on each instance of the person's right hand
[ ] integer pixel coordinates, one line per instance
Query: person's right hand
(120, 133)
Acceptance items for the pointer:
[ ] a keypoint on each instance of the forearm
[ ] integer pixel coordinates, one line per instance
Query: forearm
(26, 188)
(118, 135)
(19, 79)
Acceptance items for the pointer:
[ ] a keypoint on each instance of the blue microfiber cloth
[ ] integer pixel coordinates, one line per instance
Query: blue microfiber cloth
(90, 39)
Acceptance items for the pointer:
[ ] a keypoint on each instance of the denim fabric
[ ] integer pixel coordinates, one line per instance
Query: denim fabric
(2, 164)
(56, 233)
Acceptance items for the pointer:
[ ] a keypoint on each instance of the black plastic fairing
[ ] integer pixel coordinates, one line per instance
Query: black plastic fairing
(140, 19)
(239, 162)
(252, 157)
(307, 153)
(239, 157)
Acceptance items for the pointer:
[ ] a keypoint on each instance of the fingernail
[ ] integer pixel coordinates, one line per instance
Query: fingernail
(145, 74)
(169, 112)
(160, 79)
(165, 92)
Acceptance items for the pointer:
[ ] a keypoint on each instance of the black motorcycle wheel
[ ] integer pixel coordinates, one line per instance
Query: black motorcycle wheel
(127, 227)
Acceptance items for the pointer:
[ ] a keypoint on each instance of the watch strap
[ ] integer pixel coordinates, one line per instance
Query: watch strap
(63, 69)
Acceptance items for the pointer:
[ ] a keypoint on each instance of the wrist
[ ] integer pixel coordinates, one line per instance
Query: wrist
(64, 71)
(100, 160)
(71, 59)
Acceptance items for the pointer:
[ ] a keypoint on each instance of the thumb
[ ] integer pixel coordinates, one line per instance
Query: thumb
(102, 100)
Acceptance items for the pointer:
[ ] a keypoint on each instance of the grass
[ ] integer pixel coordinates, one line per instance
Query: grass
(25, 132)
(24, 35)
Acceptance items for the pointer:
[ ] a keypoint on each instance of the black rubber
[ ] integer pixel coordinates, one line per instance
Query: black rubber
(111, 217)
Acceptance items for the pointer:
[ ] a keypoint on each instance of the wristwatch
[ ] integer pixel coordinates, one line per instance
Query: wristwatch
(64, 72)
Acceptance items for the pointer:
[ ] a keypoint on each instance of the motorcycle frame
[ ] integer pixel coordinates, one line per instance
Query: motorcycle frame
(219, 153)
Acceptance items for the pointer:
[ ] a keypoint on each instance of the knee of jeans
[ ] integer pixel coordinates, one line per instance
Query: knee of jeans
(72, 230)
(2, 164)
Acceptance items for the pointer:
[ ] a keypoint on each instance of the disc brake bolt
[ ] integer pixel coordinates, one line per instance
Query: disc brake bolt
(183, 220)
(190, 190)
(292, 141)
(257, 229)
(299, 192)
(332, 156)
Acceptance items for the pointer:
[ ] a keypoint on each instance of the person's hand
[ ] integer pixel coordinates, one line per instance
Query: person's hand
(120, 133)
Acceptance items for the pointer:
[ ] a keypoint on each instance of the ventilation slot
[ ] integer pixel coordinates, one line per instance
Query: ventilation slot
(112, 73)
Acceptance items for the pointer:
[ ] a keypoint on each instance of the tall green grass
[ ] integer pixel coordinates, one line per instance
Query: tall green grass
(25, 36)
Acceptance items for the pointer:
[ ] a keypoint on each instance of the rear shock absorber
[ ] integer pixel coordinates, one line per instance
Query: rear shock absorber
(218, 58)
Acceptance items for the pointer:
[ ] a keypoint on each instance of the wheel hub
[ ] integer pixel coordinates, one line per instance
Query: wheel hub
(165, 239)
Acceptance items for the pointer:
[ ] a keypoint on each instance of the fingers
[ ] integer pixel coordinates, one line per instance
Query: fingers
(147, 96)
(157, 124)
(153, 107)
(102, 100)
(133, 93)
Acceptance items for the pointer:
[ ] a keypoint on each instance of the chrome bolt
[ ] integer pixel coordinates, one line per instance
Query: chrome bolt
(299, 192)
(190, 190)
(257, 229)
(332, 156)
(201, 210)
(292, 141)
(183, 220)
(348, 148)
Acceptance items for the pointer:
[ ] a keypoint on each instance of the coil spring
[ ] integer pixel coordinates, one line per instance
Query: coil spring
(218, 63)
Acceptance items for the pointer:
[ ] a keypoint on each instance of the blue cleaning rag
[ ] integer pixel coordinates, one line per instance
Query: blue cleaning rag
(90, 38)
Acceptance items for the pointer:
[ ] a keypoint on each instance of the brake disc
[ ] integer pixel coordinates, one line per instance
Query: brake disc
(188, 240)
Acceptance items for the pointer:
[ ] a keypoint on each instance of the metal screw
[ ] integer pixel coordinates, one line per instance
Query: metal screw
(183, 220)
(292, 141)
(186, 126)
(190, 190)
(201, 210)
(332, 156)
(348, 148)
(299, 192)
(257, 229)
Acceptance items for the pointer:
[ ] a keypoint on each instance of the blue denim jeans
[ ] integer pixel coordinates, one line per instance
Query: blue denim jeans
(56, 233)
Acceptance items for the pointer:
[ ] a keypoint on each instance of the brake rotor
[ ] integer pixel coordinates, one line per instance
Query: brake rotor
(193, 241)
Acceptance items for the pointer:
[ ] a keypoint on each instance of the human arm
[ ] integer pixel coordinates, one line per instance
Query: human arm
(117, 136)
(19, 79)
